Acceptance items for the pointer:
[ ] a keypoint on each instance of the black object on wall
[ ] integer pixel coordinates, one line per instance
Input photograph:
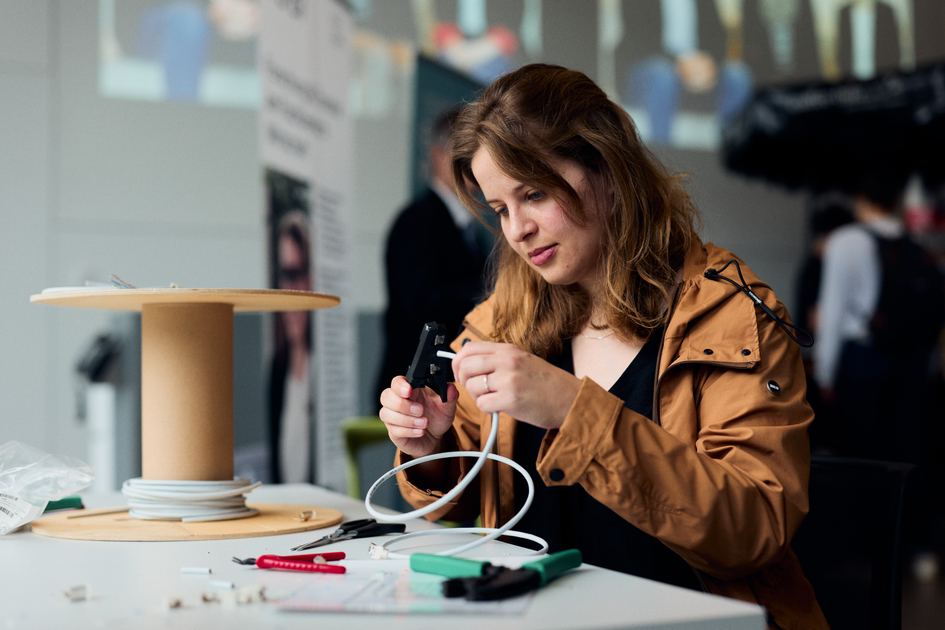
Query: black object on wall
(821, 136)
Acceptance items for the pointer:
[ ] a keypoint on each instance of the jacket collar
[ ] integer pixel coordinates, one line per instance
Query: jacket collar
(478, 324)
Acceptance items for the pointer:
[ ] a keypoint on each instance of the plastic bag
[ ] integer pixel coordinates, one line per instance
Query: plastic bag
(30, 478)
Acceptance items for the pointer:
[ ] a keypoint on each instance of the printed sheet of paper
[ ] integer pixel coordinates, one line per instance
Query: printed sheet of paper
(367, 589)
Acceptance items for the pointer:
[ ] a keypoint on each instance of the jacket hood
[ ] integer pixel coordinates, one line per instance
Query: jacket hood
(736, 341)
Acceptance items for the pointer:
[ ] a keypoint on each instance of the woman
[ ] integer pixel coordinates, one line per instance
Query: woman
(663, 415)
(290, 398)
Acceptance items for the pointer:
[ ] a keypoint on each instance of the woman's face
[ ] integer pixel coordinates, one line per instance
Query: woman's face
(538, 228)
(294, 275)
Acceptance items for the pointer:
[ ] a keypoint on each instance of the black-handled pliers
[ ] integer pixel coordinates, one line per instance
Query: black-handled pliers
(362, 528)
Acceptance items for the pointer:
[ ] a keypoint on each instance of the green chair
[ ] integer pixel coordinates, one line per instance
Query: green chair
(360, 431)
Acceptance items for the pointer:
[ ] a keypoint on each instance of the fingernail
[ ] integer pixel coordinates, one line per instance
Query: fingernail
(419, 422)
(404, 391)
(416, 410)
(418, 431)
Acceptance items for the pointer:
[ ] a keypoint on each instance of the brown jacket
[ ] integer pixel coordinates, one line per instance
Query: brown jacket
(720, 473)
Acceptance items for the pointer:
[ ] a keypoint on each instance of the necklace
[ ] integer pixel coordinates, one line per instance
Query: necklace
(598, 337)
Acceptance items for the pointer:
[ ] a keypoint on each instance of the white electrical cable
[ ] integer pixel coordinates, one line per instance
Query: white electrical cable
(188, 501)
(492, 533)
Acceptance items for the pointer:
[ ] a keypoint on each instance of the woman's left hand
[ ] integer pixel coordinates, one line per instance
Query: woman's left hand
(504, 378)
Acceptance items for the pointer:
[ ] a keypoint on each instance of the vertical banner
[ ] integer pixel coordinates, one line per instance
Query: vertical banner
(306, 148)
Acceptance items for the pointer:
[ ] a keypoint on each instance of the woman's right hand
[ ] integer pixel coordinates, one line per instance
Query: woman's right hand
(417, 419)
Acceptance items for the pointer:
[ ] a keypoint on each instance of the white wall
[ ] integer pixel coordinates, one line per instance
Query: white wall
(153, 192)
(25, 159)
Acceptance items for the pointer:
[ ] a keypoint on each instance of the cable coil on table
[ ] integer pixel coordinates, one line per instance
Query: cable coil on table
(188, 501)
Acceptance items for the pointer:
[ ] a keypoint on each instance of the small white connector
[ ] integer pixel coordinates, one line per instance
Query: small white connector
(377, 552)
(243, 596)
(78, 593)
(251, 594)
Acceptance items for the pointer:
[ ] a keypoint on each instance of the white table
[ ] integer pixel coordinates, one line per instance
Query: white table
(130, 582)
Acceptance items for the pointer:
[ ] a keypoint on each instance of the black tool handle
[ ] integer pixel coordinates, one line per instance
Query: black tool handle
(351, 526)
(380, 529)
(428, 369)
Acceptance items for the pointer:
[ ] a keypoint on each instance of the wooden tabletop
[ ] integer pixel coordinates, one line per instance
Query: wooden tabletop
(243, 300)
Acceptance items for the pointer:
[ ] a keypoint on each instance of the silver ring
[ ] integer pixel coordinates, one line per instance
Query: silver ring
(485, 381)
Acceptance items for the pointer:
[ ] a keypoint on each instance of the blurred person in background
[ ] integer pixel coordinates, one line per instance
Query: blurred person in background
(291, 402)
(435, 260)
(880, 314)
(824, 220)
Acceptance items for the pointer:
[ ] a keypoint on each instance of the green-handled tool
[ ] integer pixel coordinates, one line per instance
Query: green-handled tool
(65, 503)
(480, 580)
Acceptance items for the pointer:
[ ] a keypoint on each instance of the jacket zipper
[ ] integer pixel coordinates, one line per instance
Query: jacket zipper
(700, 578)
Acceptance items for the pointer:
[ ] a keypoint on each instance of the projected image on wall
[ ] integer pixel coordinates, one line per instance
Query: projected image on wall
(199, 51)
(682, 68)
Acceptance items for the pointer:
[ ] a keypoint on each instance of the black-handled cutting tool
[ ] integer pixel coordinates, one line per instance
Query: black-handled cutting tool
(478, 580)
(428, 368)
(362, 528)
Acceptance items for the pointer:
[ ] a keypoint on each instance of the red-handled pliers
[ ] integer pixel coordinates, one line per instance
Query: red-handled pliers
(298, 563)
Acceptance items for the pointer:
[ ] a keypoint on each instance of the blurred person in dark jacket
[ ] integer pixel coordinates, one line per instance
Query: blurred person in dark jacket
(435, 258)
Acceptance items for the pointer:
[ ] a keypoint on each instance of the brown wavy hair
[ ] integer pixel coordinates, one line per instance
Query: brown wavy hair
(539, 115)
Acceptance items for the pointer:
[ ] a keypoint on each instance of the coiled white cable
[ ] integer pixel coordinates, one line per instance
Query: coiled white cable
(378, 551)
(188, 501)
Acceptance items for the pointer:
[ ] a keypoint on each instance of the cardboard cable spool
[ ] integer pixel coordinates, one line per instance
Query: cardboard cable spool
(186, 406)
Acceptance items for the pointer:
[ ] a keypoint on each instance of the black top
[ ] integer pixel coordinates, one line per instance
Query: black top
(570, 518)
